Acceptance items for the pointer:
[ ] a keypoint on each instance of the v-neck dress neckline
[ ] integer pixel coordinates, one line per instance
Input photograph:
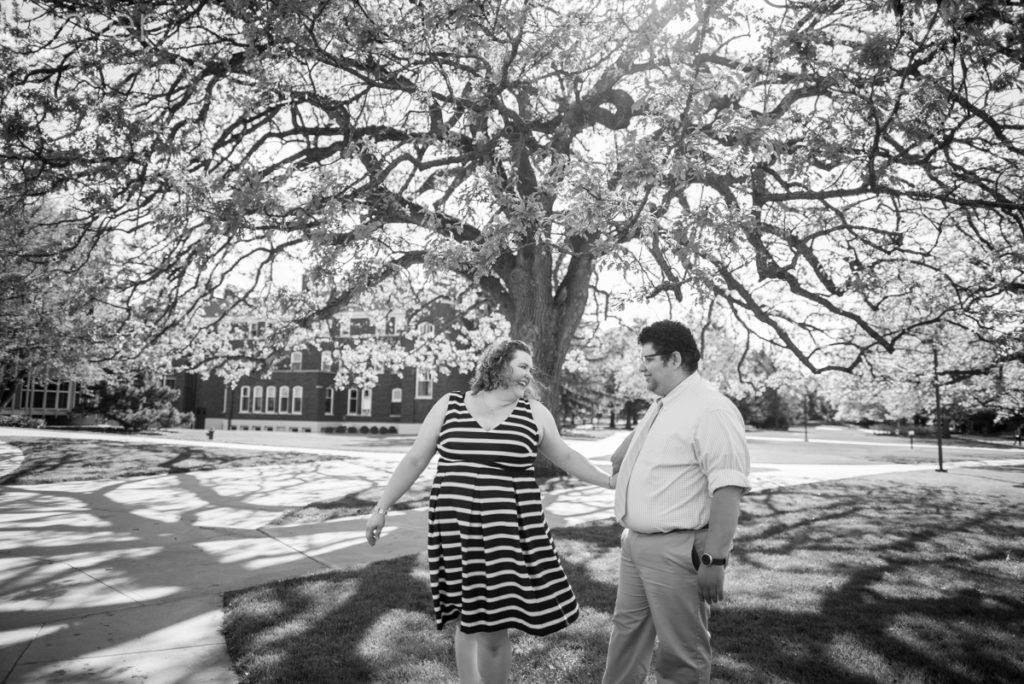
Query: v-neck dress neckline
(511, 411)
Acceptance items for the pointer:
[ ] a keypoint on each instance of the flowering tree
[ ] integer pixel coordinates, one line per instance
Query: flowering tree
(804, 164)
(55, 325)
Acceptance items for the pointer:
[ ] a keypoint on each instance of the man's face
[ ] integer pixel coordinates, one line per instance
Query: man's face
(658, 370)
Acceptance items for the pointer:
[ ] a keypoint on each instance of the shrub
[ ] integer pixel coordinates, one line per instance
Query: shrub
(22, 421)
(137, 404)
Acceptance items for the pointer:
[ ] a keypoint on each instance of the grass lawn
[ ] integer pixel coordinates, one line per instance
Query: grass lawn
(902, 578)
(49, 460)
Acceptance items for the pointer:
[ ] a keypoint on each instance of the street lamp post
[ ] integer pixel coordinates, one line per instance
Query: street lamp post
(938, 407)
(805, 416)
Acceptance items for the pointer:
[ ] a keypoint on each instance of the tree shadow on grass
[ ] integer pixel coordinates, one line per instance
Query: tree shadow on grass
(874, 581)
(856, 581)
(322, 628)
(376, 624)
(55, 460)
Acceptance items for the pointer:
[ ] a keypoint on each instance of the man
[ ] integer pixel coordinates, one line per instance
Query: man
(683, 471)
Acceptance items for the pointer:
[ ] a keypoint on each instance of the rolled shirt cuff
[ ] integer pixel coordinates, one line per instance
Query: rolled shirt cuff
(728, 478)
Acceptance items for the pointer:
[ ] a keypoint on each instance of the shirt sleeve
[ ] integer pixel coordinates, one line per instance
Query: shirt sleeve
(721, 447)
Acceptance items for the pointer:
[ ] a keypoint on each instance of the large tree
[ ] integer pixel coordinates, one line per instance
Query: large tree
(805, 163)
(55, 323)
(845, 181)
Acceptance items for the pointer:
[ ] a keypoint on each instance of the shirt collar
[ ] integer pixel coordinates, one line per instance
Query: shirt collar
(692, 380)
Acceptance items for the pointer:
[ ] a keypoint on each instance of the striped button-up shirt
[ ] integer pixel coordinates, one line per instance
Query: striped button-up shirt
(695, 446)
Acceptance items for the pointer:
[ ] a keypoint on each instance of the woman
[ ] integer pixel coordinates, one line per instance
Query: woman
(493, 565)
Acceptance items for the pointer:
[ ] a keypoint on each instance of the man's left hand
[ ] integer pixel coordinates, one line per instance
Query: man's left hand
(711, 583)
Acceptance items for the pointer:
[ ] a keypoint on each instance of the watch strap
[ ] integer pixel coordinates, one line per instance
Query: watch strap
(708, 559)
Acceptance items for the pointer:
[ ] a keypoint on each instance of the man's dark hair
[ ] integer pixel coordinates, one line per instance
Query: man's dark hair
(671, 336)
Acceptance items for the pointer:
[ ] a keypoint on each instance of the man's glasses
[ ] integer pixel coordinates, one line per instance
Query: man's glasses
(647, 358)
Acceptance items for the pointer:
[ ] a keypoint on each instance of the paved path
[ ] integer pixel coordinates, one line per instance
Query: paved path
(122, 581)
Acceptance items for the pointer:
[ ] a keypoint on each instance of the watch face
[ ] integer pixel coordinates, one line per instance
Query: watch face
(706, 559)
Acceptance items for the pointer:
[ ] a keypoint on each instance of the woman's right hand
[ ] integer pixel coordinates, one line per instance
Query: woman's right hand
(374, 526)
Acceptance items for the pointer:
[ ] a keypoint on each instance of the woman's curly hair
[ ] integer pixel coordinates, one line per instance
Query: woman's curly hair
(492, 368)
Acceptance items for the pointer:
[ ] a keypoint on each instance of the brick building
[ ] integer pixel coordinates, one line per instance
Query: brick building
(300, 396)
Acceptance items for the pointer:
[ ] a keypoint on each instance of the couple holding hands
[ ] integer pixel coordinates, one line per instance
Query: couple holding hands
(678, 479)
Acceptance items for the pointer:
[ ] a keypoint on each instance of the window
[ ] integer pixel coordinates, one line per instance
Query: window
(285, 397)
(396, 401)
(360, 402)
(329, 401)
(366, 402)
(257, 399)
(50, 396)
(326, 361)
(296, 362)
(245, 399)
(271, 399)
(171, 381)
(360, 326)
(297, 399)
(258, 329)
(425, 328)
(424, 383)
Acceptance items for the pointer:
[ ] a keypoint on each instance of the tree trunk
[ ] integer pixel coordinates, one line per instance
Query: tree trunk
(545, 314)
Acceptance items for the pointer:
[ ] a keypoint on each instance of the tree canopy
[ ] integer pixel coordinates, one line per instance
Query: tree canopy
(55, 324)
(837, 175)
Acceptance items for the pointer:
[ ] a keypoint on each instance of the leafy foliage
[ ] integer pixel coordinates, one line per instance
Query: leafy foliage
(54, 321)
(137, 404)
(834, 178)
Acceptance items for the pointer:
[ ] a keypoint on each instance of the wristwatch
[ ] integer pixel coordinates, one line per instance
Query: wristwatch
(707, 559)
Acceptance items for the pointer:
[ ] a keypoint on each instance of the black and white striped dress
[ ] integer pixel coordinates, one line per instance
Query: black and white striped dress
(492, 562)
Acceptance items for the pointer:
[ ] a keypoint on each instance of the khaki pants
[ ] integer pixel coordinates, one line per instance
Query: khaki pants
(658, 596)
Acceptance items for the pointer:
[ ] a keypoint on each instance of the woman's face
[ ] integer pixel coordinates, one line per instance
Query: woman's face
(519, 373)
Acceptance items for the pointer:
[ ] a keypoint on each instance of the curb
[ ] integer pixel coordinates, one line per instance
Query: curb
(11, 459)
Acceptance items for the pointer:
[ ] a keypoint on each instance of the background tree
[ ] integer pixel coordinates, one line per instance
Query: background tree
(55, 323)
(840, 180)
(805, 164)
(138, 403)
(601, 377)
(977, 391)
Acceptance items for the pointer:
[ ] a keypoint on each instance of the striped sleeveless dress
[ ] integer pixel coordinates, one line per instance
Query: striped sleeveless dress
(492, 562)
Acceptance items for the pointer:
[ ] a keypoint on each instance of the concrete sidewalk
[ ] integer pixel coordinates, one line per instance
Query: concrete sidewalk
(122, 581)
